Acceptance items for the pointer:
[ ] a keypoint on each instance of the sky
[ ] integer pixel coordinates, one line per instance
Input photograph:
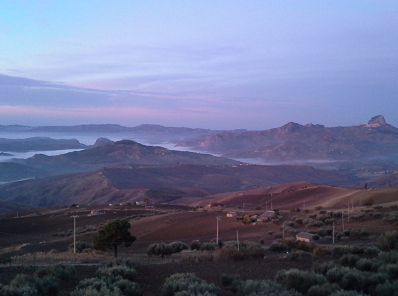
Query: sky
(220, 64)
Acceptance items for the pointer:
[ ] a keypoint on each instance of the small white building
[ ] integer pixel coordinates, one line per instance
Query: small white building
(95, 213)
(266, 216)
(231, 214)
(305, 237)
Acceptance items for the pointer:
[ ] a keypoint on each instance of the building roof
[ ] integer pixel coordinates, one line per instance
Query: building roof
(305, 235)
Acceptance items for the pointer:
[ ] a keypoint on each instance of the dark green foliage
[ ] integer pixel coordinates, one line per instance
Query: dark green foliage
(390, 269)
(195, 245)
(300, 256)
(323, 290)
(126, 262)
(188, 284)
(112, 235)
(348, 260)
(114, 280)
(299, 280)
(247, 250)
(347, 293)
(372, 251)
(387, 289)
(388, 241)
(228, 280)
(178, 246)
(80, 246)
(23, 284)
(120, 270)
(159, 249)
(262, 288)
(208, 246)
(61, 272)
(113, 286)
(324, 267)
(278, 247)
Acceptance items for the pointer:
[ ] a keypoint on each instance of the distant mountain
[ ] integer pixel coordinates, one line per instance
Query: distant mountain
(117, 153)
(39, 144)
(160, 184)
(295, 142)
(113, 128)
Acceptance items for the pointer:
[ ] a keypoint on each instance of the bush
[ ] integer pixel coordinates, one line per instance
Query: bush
(372, 251)
(178, 246)
(278, 247)
(187, 284)
(121, 270)
(62, 272)
(387, 289)
(299, 280)
(349, 260)
(208, 246)
(300, 256)
(262, 287)
(323, 290)
(347, 293)
(80, 246)
(159, 249)
(32, 285)
(195, 245)
(227, 280)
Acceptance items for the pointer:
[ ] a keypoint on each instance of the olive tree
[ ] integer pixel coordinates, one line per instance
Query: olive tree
(112, 235)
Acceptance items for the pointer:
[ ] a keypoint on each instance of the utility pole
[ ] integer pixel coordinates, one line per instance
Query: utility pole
(74, 232)
(218, 219)
(237, 238)
(271, 202)
(342, 219)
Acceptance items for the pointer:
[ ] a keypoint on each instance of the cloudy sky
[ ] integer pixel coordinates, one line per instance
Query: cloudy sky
(221, 64)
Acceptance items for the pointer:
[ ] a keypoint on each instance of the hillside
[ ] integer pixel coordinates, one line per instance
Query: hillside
(39, 144)
(295, 142)
(121, 152)
(298, 195)
(159, 184)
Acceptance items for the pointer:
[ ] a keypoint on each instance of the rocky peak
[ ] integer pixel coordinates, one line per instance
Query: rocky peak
(377, 121)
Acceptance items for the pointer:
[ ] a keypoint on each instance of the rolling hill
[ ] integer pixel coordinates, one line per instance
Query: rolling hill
(300, 143)
(122, 184)
(121, 152)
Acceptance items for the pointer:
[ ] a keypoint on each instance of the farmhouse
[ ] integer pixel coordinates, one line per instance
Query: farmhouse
(305, 237)
(267, 216)
(95, 213)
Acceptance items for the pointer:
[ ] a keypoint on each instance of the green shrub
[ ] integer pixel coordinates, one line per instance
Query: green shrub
(278, 247)
(46, 286)
(178, 246)
(227, 279)
(372, 251)
(348, 260)
(80, 246)
(347, 293)
(159, 249)
(300, 256)
(120, 270)
(299, 280)
(387, 289)
(195, 245)
(62, 272)
(187, 284)
(262, 288)
(323, 290)
(208, 246)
